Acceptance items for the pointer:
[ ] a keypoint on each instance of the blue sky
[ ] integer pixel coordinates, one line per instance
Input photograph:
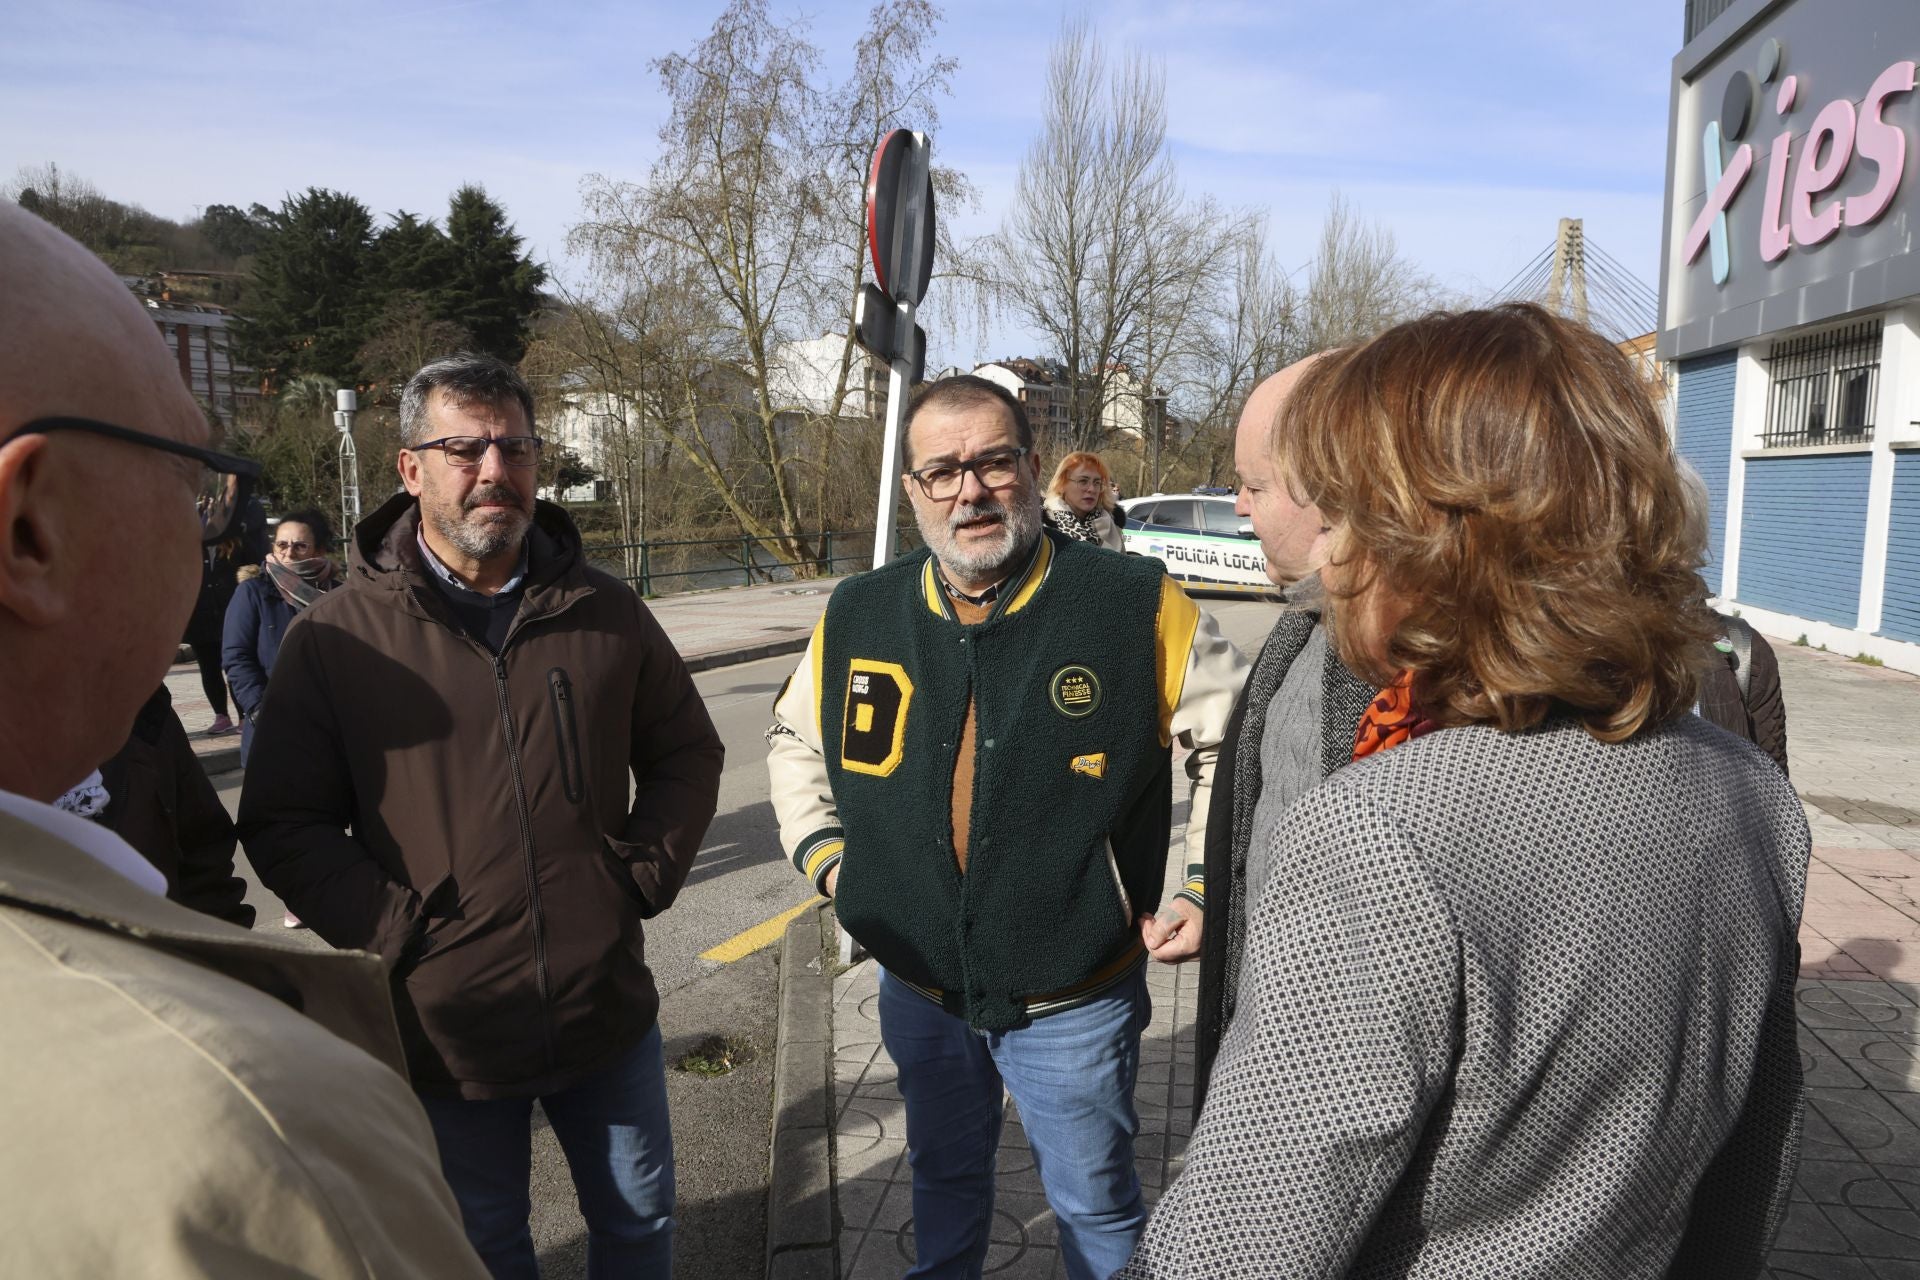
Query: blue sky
(1466, 126)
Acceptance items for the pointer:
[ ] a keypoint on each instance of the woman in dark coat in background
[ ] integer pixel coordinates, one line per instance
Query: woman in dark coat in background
(293, 576)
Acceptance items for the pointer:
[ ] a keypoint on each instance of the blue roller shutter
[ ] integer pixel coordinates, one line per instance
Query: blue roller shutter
(1703, 432)
(1900, 605)
(1803, 534)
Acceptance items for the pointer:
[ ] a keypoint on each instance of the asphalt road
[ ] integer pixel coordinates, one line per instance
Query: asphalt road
(741, 881)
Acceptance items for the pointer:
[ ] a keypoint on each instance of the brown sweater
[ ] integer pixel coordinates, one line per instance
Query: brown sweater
(963, 759)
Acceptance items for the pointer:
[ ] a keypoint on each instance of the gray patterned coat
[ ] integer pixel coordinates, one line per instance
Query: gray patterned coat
(1513, 1006)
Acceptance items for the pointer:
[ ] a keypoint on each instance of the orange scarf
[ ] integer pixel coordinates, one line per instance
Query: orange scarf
(1390, 720)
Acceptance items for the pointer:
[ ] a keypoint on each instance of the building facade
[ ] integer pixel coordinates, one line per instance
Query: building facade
(1790, 312)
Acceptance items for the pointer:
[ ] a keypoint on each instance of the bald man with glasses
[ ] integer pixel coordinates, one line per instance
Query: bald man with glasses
(440, 775)
(179, 1097)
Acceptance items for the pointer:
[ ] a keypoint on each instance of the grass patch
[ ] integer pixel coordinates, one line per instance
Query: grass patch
(1803, 642)
(1866, 660)
(717, 1056)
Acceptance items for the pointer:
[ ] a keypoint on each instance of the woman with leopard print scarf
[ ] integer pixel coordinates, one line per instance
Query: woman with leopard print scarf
(1079, 501)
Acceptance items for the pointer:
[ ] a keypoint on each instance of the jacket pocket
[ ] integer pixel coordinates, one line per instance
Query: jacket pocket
(567, 733)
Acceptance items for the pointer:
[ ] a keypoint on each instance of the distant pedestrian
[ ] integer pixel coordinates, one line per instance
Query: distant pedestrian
(440, 775)
(1518, 998)
(1080, 502)
(179, 1098)
(1740, 689)
(1740, 678)
(243, 543)
(296, 572)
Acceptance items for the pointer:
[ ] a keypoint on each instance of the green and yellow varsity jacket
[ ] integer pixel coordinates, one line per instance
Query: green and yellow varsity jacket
(1090, 667)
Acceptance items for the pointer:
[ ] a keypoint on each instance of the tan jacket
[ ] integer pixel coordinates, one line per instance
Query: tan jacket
(168, 1110)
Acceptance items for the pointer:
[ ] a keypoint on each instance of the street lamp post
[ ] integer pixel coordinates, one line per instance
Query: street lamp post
(346, 403)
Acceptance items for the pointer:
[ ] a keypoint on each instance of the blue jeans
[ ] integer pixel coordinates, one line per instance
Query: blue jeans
(613, 1128)
(1071, 1074)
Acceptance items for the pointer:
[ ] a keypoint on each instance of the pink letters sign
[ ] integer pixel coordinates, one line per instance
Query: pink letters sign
(1795, 212)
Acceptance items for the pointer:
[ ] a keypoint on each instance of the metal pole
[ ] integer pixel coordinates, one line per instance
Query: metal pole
(346, 402)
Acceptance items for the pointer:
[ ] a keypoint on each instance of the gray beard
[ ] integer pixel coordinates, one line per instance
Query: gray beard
(985, 561)
(482, 541)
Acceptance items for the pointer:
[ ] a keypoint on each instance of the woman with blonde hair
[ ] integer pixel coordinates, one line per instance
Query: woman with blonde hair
(1079, 501)
(1518, 994)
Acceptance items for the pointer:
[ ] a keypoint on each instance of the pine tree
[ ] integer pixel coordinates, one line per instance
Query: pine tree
(308, 307)
(493, 292)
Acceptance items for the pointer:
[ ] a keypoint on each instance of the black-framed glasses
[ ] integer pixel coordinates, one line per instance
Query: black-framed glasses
(466, 451)
(944, 480)
(221, 482)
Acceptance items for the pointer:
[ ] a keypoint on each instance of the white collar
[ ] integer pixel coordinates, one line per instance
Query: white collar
(92, 839)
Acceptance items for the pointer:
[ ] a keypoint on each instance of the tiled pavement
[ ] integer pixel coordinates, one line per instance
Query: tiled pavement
(1855, 735)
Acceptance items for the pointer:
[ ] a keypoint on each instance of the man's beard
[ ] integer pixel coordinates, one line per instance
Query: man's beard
(981, 560)
(502, 530)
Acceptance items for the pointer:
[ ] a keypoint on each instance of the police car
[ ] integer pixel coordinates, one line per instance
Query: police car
(1200, 540)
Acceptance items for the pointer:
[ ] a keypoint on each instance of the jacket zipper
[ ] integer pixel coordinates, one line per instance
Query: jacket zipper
(526, 850)
(572, 775)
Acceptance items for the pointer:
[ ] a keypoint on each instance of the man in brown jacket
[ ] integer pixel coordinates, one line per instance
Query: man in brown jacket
(440, 774)
(168, 1111)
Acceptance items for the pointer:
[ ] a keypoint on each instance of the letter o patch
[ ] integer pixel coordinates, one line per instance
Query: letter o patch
(873, 731)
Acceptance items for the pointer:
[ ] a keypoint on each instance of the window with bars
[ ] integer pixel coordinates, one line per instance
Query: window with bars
(1822, 387)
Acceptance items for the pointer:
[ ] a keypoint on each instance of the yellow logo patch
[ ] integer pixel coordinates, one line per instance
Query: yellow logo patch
(1094, 766)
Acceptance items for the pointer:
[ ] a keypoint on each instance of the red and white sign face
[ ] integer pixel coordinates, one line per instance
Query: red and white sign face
(900, 217)
(1794, 214)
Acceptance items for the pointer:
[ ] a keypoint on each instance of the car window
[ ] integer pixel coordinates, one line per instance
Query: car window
(1138, 512)
(1171, 515)
(1220, 518)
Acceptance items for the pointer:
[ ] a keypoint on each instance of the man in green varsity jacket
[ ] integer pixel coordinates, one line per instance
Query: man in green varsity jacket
(974, 760)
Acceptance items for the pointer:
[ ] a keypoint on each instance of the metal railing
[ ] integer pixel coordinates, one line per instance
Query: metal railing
(728, 561)
(1822, 387)
(1701, 13)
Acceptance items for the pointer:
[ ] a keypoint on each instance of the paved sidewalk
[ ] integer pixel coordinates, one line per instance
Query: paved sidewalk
(1855, 746)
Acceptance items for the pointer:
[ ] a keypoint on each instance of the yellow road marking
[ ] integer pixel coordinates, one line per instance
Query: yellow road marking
(741, 945)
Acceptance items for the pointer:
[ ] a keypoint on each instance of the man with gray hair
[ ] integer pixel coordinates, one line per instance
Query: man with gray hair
(974, 760)
(440, 775)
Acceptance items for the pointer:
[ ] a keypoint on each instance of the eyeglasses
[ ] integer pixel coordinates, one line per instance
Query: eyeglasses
(291, 547)
(467, 451)
(221, 482)
(943, 480)
(1086, 481)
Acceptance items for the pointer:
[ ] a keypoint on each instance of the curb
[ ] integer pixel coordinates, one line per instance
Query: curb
(215, 763)
(800, 1208)
(752, 653)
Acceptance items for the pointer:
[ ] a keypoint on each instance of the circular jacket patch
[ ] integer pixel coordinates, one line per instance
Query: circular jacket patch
(1076, 692)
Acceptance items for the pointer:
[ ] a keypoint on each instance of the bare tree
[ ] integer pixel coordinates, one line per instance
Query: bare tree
(1102, 254)
(1358, 284)
(751, 223)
